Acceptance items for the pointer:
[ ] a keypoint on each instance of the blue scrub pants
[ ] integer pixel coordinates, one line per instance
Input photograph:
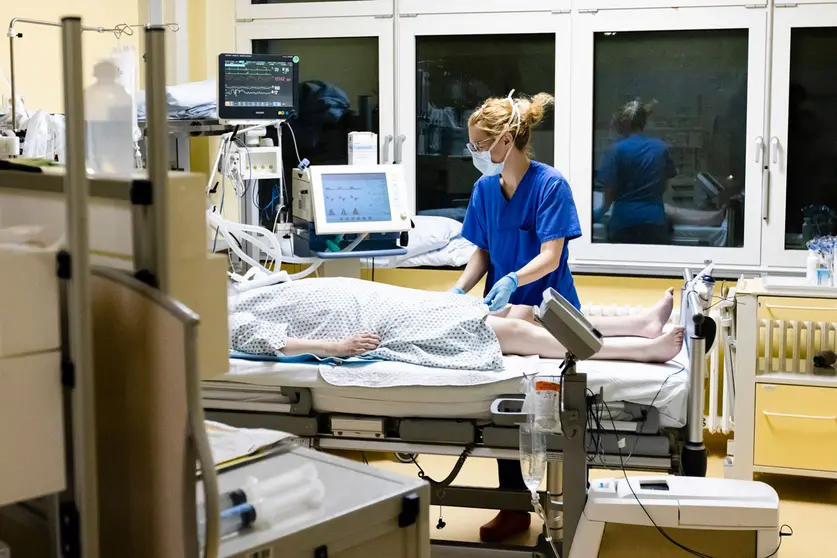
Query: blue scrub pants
(641, 234)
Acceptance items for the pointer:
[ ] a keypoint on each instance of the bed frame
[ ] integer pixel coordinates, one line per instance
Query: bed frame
(639, 444)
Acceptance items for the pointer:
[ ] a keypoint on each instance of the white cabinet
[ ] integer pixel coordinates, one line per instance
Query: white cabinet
(803, 133)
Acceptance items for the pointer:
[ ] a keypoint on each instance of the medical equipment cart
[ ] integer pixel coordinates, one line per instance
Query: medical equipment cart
(785, 408)
(365, 512)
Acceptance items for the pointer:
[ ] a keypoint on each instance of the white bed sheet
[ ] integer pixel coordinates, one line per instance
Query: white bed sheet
(414, 391)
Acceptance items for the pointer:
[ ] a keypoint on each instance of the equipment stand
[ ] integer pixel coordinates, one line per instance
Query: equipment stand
(574, 466)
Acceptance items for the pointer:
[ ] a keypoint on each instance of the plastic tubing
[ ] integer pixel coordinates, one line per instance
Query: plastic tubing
(246, 230)
(223, 228)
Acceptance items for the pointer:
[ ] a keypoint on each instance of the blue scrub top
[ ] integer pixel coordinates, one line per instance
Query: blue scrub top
(512, 231)
(637, 167)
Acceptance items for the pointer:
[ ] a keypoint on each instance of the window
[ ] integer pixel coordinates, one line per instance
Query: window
(338, 94)
(669, 137)
(811, 193)
(455, 74)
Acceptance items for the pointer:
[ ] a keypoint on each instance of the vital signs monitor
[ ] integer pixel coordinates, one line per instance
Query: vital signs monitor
(254, 88)
(348, 199)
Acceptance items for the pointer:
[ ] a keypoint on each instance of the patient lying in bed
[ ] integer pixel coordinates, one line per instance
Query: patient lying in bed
(342, 317)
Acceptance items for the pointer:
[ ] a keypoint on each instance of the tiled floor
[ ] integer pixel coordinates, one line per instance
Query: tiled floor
(809, 506)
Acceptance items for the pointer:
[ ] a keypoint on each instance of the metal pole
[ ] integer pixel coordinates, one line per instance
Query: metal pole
(555, 493)
(157, 151)
(697, 365)
(12, 78)
(79, 319)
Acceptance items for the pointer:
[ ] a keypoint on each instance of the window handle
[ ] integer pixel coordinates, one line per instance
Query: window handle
(774, 149)
(759, 148)
(399, 146)
(385, 149)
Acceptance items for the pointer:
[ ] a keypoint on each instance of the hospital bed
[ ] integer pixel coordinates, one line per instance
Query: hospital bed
(709, 194)
(626, 415)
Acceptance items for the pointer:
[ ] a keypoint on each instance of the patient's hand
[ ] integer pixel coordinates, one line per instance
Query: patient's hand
(357, 344)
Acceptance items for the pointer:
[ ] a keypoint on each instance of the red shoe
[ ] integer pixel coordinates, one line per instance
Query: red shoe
(505, 525)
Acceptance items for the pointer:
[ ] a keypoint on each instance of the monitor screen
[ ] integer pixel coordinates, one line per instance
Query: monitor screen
(356, 198)
(257, 86)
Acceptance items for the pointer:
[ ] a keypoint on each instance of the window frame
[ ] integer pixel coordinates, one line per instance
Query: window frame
(785, 20)
(246, 10)
(596, 5)
(589, 255)
(410, 28)
(336, 28)
(473, 7)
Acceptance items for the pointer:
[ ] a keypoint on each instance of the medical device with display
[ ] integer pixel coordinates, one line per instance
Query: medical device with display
(331, 204)
(353, 199)
(569, 326)
(256, 88)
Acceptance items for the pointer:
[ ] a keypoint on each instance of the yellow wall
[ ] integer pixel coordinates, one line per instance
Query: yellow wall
(591, 289)
(38, 65)
(211, 32)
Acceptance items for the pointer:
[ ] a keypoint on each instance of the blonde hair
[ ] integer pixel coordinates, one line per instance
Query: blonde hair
(632, 117)
(497, 113)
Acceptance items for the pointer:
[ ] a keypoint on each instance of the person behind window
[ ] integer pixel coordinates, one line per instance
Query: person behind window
(634, 175)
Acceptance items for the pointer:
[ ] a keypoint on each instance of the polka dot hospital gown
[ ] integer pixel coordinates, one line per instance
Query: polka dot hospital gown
(441, 330)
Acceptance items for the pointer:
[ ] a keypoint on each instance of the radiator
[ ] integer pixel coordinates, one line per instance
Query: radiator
(719, 392)
(789, 345)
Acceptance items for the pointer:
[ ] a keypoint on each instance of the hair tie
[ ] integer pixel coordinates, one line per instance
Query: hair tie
(515, 110)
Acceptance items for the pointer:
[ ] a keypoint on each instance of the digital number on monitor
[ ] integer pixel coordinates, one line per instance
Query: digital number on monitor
(356, 198)
(258, 83)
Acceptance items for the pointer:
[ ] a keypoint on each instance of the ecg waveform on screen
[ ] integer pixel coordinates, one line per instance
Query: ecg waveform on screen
(258, 84)
(246, 90)
(356, 203)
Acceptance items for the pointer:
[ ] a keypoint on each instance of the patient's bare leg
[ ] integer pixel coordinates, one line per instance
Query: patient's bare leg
(648, 324)
(698, 217)
(519, 337)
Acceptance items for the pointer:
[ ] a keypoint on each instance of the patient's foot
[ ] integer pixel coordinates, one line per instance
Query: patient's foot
(505, 525)
(666, 346)
(657, 316)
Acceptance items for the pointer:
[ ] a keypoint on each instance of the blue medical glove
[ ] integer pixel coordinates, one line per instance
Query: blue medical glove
(501, 292)
(456, 290)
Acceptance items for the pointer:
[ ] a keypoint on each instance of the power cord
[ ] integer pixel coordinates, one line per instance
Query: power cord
(668, 537)
(453, 473)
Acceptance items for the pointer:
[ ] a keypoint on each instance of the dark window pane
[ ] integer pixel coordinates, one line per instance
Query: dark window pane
(338, 94)
(669, 138)
(455, 74)
(811, 209)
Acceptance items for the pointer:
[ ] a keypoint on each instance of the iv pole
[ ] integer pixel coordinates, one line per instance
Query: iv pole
(118, 31)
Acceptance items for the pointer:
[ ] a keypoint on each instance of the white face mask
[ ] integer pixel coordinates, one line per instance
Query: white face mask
(482, 159)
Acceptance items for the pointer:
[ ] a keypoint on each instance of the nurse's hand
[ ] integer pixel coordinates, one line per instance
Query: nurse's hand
(456, 290)
(501, 292)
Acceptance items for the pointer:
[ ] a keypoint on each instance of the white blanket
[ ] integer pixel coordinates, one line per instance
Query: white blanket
(397, 374)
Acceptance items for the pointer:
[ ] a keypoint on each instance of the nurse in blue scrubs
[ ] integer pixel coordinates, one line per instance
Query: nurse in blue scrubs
(521, 217)
(634, 175)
